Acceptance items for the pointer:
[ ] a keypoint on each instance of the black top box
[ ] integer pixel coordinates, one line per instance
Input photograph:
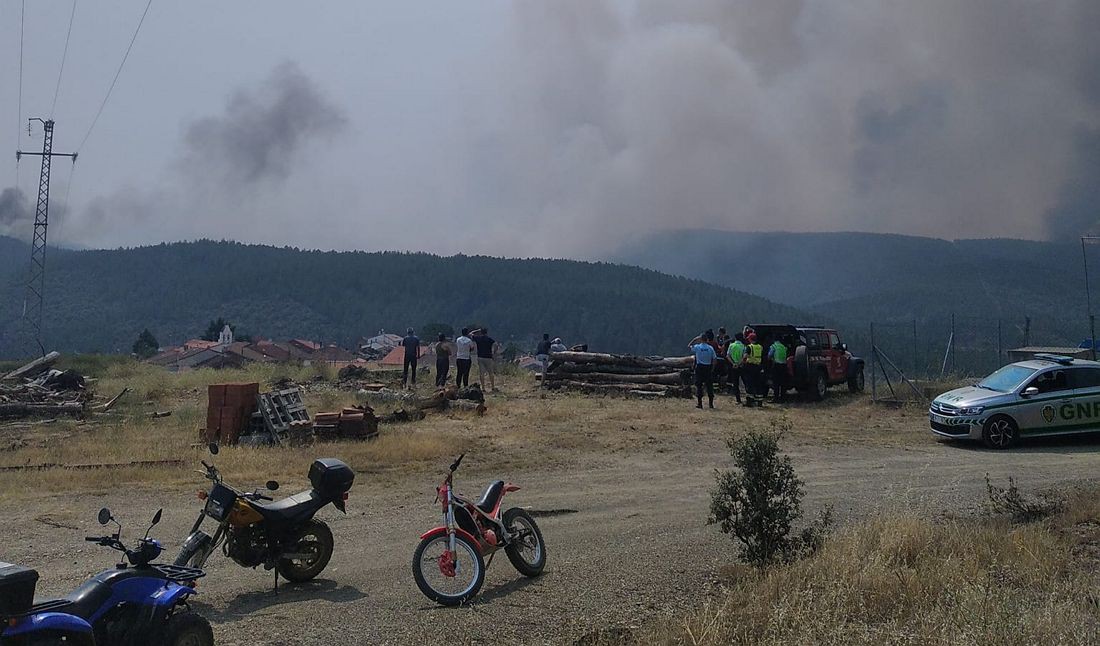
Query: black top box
(16, 589)
(330, 477)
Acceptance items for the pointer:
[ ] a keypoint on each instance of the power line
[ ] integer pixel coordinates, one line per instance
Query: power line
(64, 55)
(115, 80)
(19, 111)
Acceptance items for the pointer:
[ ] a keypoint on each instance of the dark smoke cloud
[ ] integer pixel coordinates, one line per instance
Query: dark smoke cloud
(938, 117)
(261, 129)
(15, 213)
(231, 173)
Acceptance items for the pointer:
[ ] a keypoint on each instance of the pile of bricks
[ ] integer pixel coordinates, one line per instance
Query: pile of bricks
(229, 410)
(356, 423)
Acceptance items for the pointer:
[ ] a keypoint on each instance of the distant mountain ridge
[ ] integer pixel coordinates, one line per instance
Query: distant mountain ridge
(859, 278)
(100, 300)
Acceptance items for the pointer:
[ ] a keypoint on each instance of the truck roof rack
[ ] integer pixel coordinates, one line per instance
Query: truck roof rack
(1056, 358)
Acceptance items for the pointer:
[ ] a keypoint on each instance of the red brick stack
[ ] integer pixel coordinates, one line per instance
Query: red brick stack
(229, 407)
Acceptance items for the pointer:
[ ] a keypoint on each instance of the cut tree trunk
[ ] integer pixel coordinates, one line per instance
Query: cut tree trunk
(33, 368)
(667, 379)
(623, 360)
(586, 368)
(17, 410)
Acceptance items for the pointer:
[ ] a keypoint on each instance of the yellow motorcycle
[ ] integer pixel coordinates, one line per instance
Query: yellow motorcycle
(254, 529)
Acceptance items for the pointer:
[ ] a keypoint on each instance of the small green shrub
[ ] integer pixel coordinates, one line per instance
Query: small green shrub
(759, 501)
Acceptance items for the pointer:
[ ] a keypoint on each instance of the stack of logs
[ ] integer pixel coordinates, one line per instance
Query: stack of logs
(620, 374)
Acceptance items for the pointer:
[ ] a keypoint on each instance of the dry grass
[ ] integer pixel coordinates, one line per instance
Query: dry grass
(903, 579)
(524, 426)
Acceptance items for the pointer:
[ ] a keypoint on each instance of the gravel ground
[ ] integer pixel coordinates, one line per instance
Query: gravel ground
(631, 544)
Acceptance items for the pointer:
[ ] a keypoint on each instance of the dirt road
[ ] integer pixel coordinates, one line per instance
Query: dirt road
(629, 541)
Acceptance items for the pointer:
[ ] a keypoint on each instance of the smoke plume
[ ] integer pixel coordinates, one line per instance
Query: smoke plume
(932, 118)
(16, 216)
(260, 131)
(231, 172)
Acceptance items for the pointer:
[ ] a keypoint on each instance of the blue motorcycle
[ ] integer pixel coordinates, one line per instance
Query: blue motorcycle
(132, 604)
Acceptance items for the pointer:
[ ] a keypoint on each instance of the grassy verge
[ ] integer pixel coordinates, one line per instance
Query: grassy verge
(901, 579)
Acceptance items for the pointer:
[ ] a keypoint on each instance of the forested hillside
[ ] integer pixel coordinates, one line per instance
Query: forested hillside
(101, 300)
(859, 278)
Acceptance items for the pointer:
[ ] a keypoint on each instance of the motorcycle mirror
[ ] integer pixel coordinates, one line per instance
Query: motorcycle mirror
(272, 485)
(156, 517)
(105, 516)
(213, 446)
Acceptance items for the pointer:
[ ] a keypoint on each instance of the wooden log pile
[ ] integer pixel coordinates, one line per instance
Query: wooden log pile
(36, 390)
(620, 374)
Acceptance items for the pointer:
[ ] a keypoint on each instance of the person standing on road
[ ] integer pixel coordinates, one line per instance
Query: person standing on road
(736, 357)
(705, 357)
(542, 355)
(463, 345)
(485, 368)
(442, 360)
(411, 343)
(754, 358)
(777, 354)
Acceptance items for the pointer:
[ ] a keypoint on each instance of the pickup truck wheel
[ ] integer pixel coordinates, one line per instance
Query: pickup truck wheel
(819, 386)
(855, 382)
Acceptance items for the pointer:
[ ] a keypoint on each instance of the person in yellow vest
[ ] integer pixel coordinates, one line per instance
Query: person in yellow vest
(755, 388)
(777, 353)
(736, 356)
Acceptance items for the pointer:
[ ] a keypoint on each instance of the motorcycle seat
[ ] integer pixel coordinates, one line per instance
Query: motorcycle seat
(84, 601)
(291, 509)
(491, 497)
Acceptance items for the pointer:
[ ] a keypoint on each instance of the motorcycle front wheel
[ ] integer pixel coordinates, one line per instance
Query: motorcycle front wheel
(434, 576)
(311, 547)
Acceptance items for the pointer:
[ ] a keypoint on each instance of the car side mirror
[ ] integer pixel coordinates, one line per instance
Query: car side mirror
(272, 485)
(843, 347)
(1030, 391)
(105, 516)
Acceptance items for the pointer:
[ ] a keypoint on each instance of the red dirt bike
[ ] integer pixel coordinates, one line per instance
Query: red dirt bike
(449, 564)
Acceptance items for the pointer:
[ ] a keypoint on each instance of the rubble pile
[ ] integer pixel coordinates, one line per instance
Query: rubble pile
(37, 390)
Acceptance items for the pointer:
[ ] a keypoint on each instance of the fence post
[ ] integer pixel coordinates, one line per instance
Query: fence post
(1092, 335)
(952, 345)
(874, 358)
(1027, 331)
(1000, 349)
(916, 359)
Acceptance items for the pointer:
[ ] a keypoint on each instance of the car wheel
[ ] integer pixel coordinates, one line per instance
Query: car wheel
(1000, 432)
(855, 382)
(819, 386)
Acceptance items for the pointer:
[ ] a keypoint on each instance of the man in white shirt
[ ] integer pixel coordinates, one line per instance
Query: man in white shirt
(463, 347)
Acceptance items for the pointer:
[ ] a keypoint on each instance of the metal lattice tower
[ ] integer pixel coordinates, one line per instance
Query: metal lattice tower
(33, 303)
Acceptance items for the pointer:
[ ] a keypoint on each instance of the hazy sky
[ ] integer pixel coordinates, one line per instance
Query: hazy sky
(556, 128)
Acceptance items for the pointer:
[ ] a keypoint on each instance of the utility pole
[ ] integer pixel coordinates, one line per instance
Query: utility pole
(36, 284)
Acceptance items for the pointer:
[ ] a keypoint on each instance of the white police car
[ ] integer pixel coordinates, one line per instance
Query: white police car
(1047, 395)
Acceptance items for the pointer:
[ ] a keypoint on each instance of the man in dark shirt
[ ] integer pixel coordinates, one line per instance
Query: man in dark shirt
(485, 367)
(411, 343)
(542, 355)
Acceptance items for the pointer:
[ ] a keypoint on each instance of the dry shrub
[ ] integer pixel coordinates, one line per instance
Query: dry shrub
(908, 580)
(1023, 508)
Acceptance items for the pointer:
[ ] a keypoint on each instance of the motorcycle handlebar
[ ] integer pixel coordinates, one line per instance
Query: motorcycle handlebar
(208, 467)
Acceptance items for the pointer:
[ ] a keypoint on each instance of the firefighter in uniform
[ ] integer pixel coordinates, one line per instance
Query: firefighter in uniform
(777, 353)
(754, 380)
(736, 356)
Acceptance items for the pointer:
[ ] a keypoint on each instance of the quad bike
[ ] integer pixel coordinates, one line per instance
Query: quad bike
(282, 535)
(134, 603)
(449, 563)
